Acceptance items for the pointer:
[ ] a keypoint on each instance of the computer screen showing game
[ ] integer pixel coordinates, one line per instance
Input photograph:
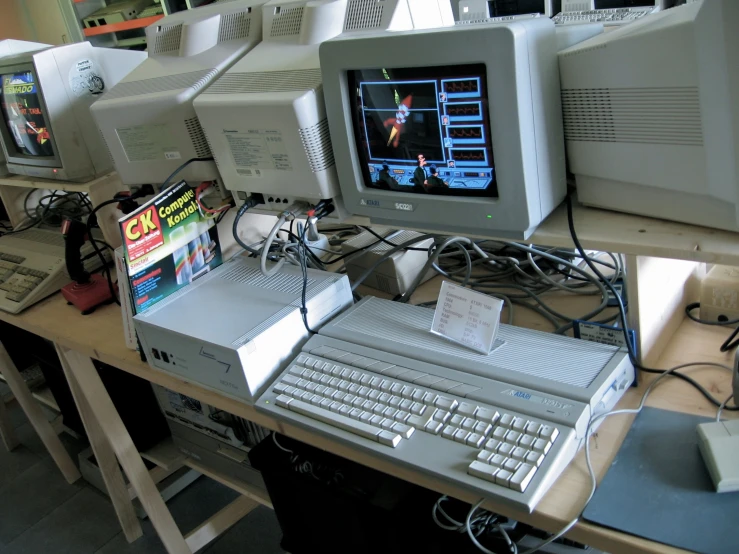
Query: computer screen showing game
(425, 130)
(24, 115)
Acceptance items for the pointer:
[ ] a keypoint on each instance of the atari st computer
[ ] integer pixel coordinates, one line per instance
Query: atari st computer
(502, 425)
(148, 120)
(46, 128)
(465, 120)
(651, 114)
(265, 119)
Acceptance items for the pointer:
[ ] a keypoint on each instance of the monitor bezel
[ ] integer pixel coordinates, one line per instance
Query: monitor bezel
(525, 123)
(6, 139)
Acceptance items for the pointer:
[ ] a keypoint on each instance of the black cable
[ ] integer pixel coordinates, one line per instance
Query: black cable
(622, 314)
(383, 239)
(183, 166)
(235, 227)
(92, 217)
(729, 343)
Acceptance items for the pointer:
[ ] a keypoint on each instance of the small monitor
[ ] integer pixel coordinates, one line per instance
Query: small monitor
(451, 130)
(45, 125)
(265, 118)
(651, 115)
(148, 120)
(10, 47)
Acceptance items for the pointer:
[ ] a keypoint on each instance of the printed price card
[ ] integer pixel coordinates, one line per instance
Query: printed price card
(467, 317)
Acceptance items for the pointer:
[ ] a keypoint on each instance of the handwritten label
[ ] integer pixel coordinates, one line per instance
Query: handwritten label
(467, 317)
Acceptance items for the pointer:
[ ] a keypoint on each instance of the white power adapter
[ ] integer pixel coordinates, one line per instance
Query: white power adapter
(320, 247)
(720, 294)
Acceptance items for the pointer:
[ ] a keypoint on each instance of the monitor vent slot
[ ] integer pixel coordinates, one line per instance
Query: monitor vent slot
(267, 81)
(280, 282)
(197, 137)
(42, 237)
(235, 26)
(317, 144)
(287, 22)
(194, 80)
(107, 147)
(646, 116)
(167, 39)
(364, 14)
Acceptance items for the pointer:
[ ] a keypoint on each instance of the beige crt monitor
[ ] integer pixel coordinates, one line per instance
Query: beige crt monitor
(651, 115)
(10, 47)
(456, 130)
(148, 120)
(46, 128)
(265, 118)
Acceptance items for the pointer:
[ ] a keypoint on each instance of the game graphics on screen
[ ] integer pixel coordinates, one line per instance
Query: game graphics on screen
(23, 115)
(425, 130)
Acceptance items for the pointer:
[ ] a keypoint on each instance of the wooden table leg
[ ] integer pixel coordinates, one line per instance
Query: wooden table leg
(106, 460)
(37, 418)
(7, 433)
(101, 406)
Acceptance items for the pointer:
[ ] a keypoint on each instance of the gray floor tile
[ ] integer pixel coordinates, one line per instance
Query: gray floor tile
(189, 509)
(30, 497)
(79, 526)
(13, 464)
(29, 438)
(257, 533)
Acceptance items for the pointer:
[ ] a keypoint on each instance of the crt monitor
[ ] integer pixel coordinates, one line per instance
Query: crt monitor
(10, 47)
(148, 120)
(265, 118)
(453, 130)
(651, 114)
(45, 125)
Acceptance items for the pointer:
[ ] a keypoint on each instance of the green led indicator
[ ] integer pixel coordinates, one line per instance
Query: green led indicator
(490, 216)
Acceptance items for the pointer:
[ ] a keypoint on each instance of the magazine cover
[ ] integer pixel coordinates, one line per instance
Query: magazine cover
(168, 242)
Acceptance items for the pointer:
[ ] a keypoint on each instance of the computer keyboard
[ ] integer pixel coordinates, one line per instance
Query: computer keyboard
(500, 19)
(32, 267)
(609, 17)
(378, 380)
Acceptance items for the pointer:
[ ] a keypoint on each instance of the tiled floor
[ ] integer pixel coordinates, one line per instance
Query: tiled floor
(40, 512)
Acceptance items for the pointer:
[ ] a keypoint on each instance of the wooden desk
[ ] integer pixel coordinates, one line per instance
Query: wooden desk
(99, 336)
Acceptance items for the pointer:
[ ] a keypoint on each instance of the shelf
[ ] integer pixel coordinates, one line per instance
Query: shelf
(122, 26)
(43, 395)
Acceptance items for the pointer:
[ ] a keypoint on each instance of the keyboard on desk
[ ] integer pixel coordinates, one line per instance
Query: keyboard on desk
(417, 416)
(32, 267)
(609, 17)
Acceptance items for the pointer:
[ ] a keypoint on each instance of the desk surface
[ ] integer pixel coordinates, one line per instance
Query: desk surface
(99, 335)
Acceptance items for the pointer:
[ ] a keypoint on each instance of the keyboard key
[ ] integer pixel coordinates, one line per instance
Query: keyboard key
(379, 408)
(387, 424)
(354, 388)
(297, 370)
(497, 460)
(506, 420)
(434, 427)
(363, 392)
(326, 380)
(499, 433)
(401, 416)
(418, 395)
(461, 435)
(320, 389)
(407, 392)
(513, 437)
(419, 422)
(519, 424)
(390, 412)
(483, 428)
(468, 424)
(445, 385)
(417, 408)
(283, 401)
(292, 380)
(340, 421)
(427, 381)
(429, 398)
(505, 449)
(519, 454)
(463, 390)
(375, 420)
(441, 415)
(484, 456)
(493, 445)
(473, 439)
(503, 477)
(534, 458)
(364, 417)
(403, 430)
(511, 465)
(467, 409)
(374, 395)
(527, 441)
(523, 476)
(532, 428)
(542, 446)
(482, 471)
(396, 388)
(384, 398)
(365, 380)
(548, 433)
(280, 388)
(446, 403)
(395, 401)
(355, 413)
